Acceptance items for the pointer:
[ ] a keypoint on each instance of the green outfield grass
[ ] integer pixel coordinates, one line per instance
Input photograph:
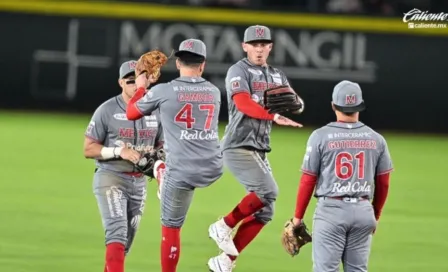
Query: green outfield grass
(50, 222)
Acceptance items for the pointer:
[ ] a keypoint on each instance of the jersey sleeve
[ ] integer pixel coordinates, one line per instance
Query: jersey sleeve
(236, 81)
(311, 160)
(97, 128)
(384, 161)
(285, 79)
(160, 135)
(151, 100)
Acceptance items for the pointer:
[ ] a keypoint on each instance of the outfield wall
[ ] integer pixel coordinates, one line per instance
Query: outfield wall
(66, 56)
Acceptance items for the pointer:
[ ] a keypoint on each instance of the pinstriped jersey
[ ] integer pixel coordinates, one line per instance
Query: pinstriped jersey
(110, 127)
(346, 157)
(242, 130)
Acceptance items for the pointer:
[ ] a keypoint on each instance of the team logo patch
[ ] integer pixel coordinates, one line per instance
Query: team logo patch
(259, 32)
(188, 45)
(132, 65)
(120, 116)
(235, 85)
(90, 127)
(350, 99)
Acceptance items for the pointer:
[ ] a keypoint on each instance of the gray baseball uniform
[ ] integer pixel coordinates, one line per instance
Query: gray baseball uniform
(121, 191)
(189, 109)
(345, 157)
(247, 140)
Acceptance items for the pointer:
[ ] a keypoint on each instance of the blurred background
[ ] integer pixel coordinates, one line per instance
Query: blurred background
(59, 60)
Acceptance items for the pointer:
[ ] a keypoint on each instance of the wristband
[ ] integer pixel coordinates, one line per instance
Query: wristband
(111, 152)
(276, 116)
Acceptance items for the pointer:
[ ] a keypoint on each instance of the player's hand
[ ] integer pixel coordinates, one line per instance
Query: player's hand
(130, 155)
(143, 81)
(296, 221)
(283, 121)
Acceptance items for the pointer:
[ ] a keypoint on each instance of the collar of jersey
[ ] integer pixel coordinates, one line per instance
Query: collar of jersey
(190, 79)
(346, 125)
(253, 65)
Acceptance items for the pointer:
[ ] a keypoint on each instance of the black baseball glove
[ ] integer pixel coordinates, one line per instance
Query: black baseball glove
(283, 99)
(146, 164)
(295, 237)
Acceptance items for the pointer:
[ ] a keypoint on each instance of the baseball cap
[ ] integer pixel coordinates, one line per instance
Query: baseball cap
(193, 46)
(347, 97)
(127, 68)
(257, 33)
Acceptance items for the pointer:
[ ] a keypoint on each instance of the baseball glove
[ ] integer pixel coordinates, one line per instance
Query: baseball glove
(146, 164)
(294, 237)
(283, 99)
(150, 63)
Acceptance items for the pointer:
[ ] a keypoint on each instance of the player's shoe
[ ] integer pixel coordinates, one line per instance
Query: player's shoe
(222, 234)
(221, 263)
(159, 173)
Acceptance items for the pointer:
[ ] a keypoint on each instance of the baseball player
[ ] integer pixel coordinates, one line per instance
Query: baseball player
(117, 144)
(245, 144)
(348, 164)
(189, 108)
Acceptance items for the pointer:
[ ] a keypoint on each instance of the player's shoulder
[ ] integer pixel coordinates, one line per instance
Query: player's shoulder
(276, 70)
(375, 134)
(108, 106)
(162, 86)
(318, 133)
(238, 67)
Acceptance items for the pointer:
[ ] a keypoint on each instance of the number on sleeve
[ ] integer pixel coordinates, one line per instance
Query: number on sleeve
(185, 115)
(344, 167)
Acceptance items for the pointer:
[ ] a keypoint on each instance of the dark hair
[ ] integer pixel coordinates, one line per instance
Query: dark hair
(190, 59)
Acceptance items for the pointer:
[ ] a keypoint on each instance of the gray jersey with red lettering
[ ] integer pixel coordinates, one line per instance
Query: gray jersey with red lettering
(110, 127)
(189, 109)
(243, 130)
(346, 157)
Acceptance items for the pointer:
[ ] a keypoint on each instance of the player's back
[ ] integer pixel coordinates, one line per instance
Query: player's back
(190, 116)
(351, 155)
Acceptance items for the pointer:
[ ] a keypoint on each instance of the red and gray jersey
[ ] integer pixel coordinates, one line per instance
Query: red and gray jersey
(110, 127)
(189, 110)
(346, 157)
(243, 130)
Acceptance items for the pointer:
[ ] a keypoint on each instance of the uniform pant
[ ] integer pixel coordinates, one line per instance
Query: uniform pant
(252, 170)
(121, 202)
(342, 232)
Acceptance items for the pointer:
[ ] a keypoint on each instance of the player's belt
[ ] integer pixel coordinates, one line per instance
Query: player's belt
(134, 174)
(348, 199)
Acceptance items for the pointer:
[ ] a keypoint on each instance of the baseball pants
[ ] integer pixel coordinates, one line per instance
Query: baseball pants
(175, 200)
(252, 170)
(121, 201)
(342, 231)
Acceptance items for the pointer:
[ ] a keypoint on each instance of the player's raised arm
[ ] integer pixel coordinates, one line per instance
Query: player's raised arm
(144, 102)
(383, 170)
(237, 85)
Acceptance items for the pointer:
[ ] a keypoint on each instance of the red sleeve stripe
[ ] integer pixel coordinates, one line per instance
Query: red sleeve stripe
(309, 173)
(241, 91)
(93, 139)
(385, 172)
